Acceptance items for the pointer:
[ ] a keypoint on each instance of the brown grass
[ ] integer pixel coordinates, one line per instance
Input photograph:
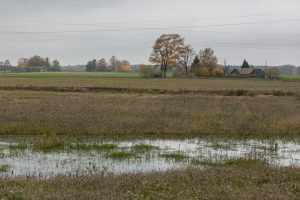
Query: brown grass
(239, 179)
(105, 114)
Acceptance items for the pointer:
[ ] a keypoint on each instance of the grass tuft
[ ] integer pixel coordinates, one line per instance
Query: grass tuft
(142, 148)
(49, 144)
(4, 168)
(176, 156)
(120, 155)
(104, 147)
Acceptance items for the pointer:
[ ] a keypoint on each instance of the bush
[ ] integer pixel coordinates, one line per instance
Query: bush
(218, 71)
(205, 71)
(273, 72)
(201, 71)
(146, 71)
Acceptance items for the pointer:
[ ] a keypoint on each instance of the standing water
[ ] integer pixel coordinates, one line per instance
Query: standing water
(119, 157)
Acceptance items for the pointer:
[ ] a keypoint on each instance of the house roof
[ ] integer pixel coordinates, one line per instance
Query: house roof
(248, 72)
(245, 71)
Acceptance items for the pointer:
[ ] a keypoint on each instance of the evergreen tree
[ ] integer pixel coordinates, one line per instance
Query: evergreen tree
(196, 60)
(245, 64)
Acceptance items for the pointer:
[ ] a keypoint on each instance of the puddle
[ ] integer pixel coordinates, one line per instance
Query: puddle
(138, 156)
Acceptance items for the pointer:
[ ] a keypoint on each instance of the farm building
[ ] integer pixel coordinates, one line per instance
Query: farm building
(248, 72)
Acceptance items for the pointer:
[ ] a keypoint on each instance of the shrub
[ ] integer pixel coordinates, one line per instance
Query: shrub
(147, 71)
(201, 71)
(218, 71)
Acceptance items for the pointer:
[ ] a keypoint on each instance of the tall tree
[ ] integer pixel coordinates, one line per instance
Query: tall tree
(91, 66)
(125, 66)
(55, 66)
(7, 63)
(114, 63)
(1, 66)
(207, 58)
(196, 61)
(187, 58)
(23, 62)
(102, 65)
(36, 61)
(167, 51)
(47, 64)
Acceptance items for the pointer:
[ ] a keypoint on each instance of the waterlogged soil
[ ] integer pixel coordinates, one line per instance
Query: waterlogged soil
(119, 157)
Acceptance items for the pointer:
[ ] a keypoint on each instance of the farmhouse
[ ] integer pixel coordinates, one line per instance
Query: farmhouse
(248, 72)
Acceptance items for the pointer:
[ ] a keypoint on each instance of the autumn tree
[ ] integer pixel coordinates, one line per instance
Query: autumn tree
(36, 61)
(102, 65)
(23, 62)
(186, 61)
(207, 58)
(206, 64)
(125, 66)
(167, 52)
(272, 72)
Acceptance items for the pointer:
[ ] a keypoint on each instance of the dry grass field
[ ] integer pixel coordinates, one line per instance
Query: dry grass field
(164, 115)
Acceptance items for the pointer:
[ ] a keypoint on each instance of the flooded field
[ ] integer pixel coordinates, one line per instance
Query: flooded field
(75, 159)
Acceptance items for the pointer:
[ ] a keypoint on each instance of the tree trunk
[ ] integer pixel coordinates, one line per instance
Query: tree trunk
(186, 71)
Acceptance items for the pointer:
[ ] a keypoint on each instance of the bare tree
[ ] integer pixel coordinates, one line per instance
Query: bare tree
(187, 58)
(167, 51)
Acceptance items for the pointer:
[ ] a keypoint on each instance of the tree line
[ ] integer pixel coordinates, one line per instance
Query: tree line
(5, 65)
(114, 65)
(33, 64)
(38, 63)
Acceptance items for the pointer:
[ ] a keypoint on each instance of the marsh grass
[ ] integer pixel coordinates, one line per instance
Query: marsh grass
(244, 163)
(49, 144)
(217, 145)
(95, 147)
(236, 179)
(175, 156)
(121, 155)
(4, 168)
(143, 148)
(20, 146)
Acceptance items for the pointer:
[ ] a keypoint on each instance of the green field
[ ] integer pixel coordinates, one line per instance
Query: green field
(291, 77)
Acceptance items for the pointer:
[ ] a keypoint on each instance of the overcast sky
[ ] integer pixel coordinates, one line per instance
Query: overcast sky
(75, 31)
